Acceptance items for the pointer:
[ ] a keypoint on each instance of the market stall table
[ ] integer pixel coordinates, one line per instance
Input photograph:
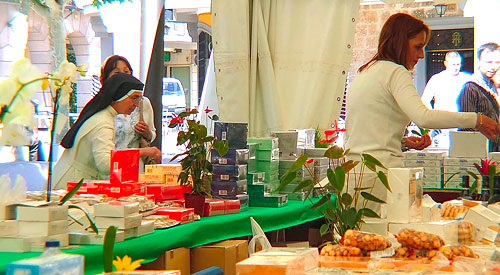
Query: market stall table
(206, 230)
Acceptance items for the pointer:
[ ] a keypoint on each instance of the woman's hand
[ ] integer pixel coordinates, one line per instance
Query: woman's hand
(488, 127)
(418, 143)
(142, 128)
(153, 152)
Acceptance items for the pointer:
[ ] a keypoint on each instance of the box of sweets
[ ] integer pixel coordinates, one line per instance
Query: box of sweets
(232, 157)
(183, 215)
(228, 189)
(235, 133)
(213, 207)
(86, 188)
(231, 206)
(229, 172)
(265, 143)
(118, 190)
(124, 166)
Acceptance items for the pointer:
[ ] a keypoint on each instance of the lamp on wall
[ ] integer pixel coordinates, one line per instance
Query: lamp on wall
(440, 9)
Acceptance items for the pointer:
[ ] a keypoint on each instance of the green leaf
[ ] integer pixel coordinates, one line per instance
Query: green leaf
(423, 131)
(340, 177)
(299, 162)
(311, 188)
(322, 201)
(346, 199)
(367, 212)
(416, 133)
(334, 152)
(333, 180)
(182, 137)
(288, 177)
(350, 217)
(71, 193)
(329, 215)
(75, 220)
(349, 165)
(367, 158)
(91, 222)
(472, 175)
(449, 178)
(324, 229)
(108, 247)
(173, 124)
(303, 184)
(361, 188)
(215, 118)
(201, 131)
(371, 197)
(383, 178)
(222, 147)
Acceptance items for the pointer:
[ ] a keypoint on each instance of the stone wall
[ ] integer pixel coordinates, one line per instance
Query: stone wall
(371, 19)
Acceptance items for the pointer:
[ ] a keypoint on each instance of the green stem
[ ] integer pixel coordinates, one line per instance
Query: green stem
(52, 137)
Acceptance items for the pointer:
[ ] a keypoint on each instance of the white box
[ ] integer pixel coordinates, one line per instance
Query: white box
(36, 229)
(433, 170)
(146, 227)
(456, 169)
(482, 217)
(7, 212)
(422, 163)
(377, 226)
(19, 245)
(8, 228)
(495, 207)
(495, 156)
(431, 184)
(92, 238)
(127, 222)
(43, 213)
(423, 155)
(468, 144)
(461, 161)
(404, 203)
(39, 242)
(448, 230)
(130, 233)
(432, 177)
(116, 209)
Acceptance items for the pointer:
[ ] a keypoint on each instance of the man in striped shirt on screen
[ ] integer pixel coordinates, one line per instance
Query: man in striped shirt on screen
(480, 94)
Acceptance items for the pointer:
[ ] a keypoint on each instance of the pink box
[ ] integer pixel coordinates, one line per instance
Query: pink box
(124, 166)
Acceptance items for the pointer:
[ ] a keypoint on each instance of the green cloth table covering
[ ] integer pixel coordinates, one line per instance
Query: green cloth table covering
(206, 230)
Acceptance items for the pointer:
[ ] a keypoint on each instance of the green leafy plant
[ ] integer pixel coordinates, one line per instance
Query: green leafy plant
(196, 167)
(341, 209)
(487, 168)
(68, 196)
(421, 132)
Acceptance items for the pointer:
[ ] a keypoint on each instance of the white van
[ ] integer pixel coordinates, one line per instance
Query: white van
(173, 98)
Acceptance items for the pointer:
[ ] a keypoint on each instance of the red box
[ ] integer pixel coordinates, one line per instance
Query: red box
(213, 207)
(123, 189)
(231, 206)
(157, 191)
(124, 166)
(183, 215)
(86, 188)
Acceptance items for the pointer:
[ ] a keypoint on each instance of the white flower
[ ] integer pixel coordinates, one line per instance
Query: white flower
(13, 134)
(66, 75)
(83, 68)
(8, 88)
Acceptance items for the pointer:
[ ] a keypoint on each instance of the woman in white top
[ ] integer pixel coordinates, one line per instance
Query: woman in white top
(130, 128)
(383, 99)
(90, 140)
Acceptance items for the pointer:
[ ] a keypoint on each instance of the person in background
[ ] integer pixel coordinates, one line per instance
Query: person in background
(382, 100)
(90, 140)
(130, 129)
(480, 94)
(442, 90)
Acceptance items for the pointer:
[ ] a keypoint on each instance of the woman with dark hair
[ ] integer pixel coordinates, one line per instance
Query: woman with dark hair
(130, 129)
(90, 140)
(382, 99)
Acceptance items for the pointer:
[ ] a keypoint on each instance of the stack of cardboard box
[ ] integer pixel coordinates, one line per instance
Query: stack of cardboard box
(430, 161)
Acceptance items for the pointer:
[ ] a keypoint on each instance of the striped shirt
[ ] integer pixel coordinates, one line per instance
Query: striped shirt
(478, 96)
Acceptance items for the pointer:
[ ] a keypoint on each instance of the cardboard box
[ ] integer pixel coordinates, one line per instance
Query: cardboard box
(236, 134)
(228, 189)
(231, 206)
(8, 228)
(223, 254)
(433, 170)
(232, 157)
(287, 143)
(86, 188)
(482, 217)
(422, 163)
(265, 143)
(118, 190)
(130, 232)
(183, 215)
(377, 226)
(468, 144)
(35, 229)
(229, 172)
(279, 265)
(127, 222)
(179, 258)
(7, 212)
(146, 227)
(309, 256)
(172, 179)
(36, 211)
(268, 200)
(116, 209)
(162, 169)
(404, 203)
(18, 245)
(460, 161)
(268, 155)
(213, 207)
(423, 155)
(38, 243)
(92, 238)
(124, 166)
(152, 178)
(455, 169)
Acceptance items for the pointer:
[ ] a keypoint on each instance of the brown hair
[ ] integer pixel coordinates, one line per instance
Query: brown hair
(393, 40)
(110, 65)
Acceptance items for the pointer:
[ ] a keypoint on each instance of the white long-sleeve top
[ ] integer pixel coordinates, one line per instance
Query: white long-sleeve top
(89, 158)
(381, 101)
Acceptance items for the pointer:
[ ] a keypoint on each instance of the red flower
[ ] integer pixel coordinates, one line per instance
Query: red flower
(310, 160)
(337, 128)
(329, 133)
(485, 166)
(207, 110)
(176, 119)
(342, 240)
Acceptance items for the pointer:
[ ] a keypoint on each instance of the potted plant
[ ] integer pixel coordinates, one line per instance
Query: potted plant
(196, 167)
(341, 209)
